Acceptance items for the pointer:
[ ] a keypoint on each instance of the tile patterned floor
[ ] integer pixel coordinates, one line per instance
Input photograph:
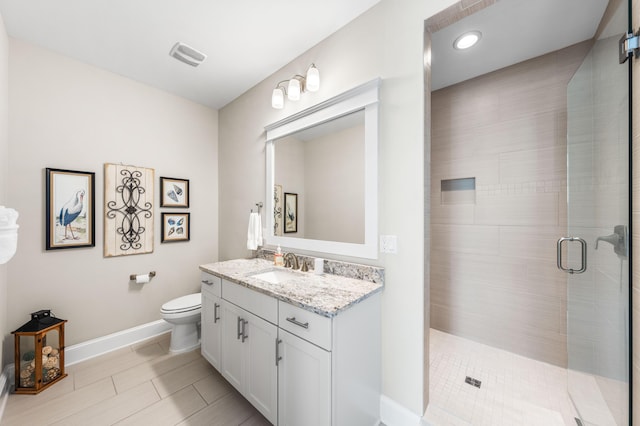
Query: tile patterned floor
(144, 384)
(515, 390)
(138, 385)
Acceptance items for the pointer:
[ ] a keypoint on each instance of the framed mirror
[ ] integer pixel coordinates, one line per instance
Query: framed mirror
(322, 176)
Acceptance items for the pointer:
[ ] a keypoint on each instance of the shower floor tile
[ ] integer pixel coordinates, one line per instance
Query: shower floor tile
(514, 390)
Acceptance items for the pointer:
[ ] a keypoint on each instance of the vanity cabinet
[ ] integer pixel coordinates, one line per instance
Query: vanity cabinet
(295, 366)
(248, 358)
(211, 319)
(304, 382)
(248, 346)
(329, 373)
(304, 367)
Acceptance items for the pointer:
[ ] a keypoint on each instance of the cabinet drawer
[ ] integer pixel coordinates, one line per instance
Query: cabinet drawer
(259, 304)
(305, 324)
(211, 283)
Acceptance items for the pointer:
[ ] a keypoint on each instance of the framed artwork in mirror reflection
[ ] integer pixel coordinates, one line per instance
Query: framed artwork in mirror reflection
(290, 212)
(278, 216)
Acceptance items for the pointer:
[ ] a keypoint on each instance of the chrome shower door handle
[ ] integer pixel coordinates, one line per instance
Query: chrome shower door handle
(583, 263)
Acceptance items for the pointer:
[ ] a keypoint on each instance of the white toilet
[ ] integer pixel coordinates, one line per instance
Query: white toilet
(184, 314)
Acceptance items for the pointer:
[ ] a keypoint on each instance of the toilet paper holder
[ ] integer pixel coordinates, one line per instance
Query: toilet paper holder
(133, 277)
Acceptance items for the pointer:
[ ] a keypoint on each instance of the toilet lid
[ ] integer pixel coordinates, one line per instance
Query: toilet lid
(189, 301)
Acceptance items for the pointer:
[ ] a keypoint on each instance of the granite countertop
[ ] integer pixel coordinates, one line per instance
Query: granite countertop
(324, 294)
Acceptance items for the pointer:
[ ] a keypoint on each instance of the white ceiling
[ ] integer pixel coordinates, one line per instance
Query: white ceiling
(248, 40)
(245, 40)
(512, 31)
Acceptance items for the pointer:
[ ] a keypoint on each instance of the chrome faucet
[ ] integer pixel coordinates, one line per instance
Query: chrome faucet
(291, 260)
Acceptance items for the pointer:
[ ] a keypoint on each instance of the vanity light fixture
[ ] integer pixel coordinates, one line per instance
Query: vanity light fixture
(295, 86)
(313, 79)
(277, 97)
(467, 40)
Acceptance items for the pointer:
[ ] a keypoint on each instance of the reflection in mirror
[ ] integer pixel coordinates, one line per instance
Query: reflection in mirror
(324, 166)
(322, 176)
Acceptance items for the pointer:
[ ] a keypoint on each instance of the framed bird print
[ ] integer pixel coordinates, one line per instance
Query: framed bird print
(290, 212)
(174, 192)
(176, 227)
(70, 209)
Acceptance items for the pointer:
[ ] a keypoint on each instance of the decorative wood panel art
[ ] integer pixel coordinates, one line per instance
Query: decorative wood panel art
(128, 214)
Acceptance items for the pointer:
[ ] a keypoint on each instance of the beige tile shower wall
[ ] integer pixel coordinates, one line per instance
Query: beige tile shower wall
(493, 273)
(635, 212)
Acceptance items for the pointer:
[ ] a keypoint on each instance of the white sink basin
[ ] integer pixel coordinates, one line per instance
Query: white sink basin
(275, 276)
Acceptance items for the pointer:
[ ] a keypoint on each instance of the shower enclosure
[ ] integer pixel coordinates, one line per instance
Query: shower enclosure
(530, 167)
(597, 251)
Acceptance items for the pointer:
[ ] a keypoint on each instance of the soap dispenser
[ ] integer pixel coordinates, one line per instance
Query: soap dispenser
(278, 259)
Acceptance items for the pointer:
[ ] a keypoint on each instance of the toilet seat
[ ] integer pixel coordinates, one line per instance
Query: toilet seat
(188, 303)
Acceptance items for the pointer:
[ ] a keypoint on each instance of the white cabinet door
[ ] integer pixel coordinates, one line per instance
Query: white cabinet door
(304, 383)
(261, 380)
(232, 346)
(248, 358)
(211, 327)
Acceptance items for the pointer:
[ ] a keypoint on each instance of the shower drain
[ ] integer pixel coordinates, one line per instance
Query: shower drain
(473, 382)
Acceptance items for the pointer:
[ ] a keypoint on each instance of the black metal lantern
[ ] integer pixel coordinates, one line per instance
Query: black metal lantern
(39, 352)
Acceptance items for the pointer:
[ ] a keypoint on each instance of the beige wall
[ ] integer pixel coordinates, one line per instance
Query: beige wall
(69, 115)
(289, 174)
(493, 272)
(334, 184)
(386, 42)
(635, 220)
(329, 184)
(327, 173)
(4, 164)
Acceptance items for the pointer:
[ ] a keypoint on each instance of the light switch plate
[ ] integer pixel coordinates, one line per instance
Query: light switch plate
(388, 244)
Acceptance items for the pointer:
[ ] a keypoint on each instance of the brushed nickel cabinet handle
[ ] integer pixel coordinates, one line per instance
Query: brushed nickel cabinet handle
(278, 357)
(298, 323)
(239, 327)
(245, 336)
(216, 318)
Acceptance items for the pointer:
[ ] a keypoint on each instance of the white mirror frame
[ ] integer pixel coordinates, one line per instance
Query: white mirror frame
(364, 97)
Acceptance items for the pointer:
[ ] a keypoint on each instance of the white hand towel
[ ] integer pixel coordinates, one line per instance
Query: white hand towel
(254, 232)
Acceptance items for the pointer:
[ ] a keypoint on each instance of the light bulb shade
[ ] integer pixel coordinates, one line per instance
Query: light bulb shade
(277, 98)
(293, 91)
(313, 79)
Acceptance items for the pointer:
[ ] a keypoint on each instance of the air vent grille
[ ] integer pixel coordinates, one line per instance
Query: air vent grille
(187, 54)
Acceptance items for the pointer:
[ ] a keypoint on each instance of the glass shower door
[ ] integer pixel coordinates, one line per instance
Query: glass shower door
(598, 213)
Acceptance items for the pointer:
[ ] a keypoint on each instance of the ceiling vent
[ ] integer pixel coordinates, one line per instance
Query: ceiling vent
(187, 54)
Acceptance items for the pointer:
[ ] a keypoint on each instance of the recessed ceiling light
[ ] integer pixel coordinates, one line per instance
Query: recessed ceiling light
(467, 40)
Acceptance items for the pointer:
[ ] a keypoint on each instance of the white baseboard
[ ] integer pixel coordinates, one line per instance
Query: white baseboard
(394, 414)
(102, 345)
(90, 349)
(5, 387)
